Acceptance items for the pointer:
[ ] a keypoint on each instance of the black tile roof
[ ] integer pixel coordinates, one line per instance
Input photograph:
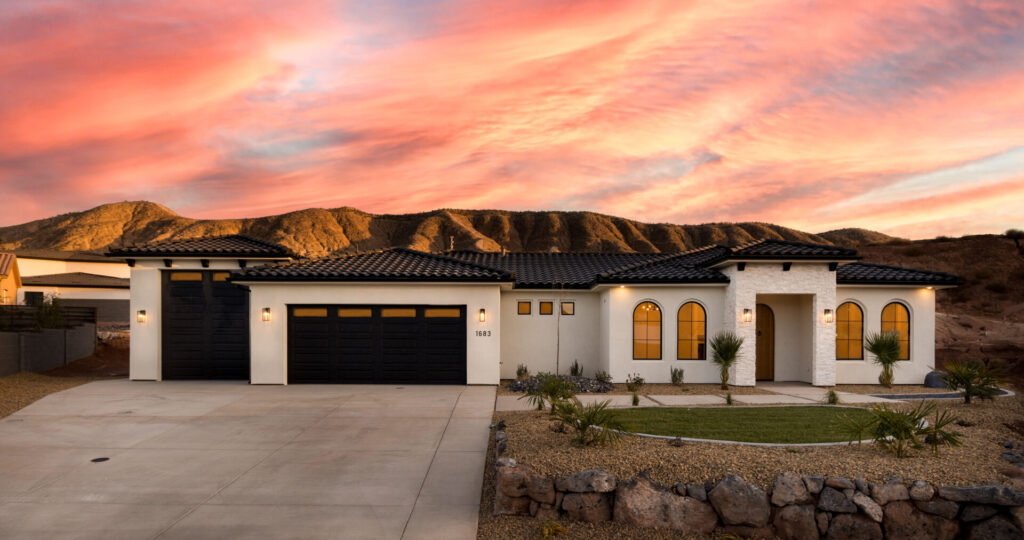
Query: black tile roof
(555, 270)
(77, 279)
(784, 249)
(686, 267)
(234, 245)
(881, 274)
(397, 264)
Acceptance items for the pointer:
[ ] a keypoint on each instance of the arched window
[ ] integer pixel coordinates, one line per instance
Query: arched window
(849, 332)
(896, 317)
(692, 323)
(647, 332)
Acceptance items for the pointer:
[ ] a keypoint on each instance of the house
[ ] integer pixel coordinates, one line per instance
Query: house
(235, 307)
(78, 279)
(10, 279)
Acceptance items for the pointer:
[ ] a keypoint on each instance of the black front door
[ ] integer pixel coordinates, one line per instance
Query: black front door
(205, 326)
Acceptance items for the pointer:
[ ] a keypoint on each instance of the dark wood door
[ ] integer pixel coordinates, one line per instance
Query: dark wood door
(205, 326)
(765, 343)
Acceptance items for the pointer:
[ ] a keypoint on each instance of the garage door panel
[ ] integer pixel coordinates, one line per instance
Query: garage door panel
(205, 327)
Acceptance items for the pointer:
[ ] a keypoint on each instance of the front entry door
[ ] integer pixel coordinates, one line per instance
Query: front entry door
(765, 343)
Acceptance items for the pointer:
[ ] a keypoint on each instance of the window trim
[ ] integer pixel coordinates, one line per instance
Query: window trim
(540, 307)
(863, 317)
(910, 325)
(661, 331)
(678, 311)
(529, 308)
(561, 308)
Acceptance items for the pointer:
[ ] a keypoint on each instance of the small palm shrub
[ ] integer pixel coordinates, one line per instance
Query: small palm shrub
(576, 370)
(636, 399)
(635, 383)
(974, 378)
(886, 348)
(857, 428)
(677, 376)
(552, 389)
(728, 398)
(725, 348)
(552, 529)
(603, 376)
(593, 424)
(899, 431)
(522, 372)
(936, 434)
(832, 398)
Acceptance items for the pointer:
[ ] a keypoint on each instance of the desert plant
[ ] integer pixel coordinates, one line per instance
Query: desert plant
(886, 348)
(636, 399)
(522, 372)
(49, 314)
(725, 347)
(593, 424)
(898, 430)
(552, 389)
(832, 398)
(974, 378)
(635, 383)
(677, 376)
(936, 433)
(857, 427)
(603, 376)
(728, 398)
(576, 370)
(551, 529)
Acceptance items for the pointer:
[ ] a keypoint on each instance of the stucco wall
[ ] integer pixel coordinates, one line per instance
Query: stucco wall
(921, 303)
(270, 341)
(538, 341)
(42, 267)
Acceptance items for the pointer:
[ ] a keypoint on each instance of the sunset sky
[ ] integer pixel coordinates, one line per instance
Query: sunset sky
(905, 117)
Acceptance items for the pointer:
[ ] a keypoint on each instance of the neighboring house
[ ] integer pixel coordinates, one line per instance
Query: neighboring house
(10, 279)
(235, 307)
(78, 279)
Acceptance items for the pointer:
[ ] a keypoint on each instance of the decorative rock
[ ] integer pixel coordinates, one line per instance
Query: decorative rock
(831, 500)
(1018, 516)
(589, 507)
(868, 506)
(545, 512)
(796, 523)
(676, 442)
(510, 506)
(921, 491)
(934, 380)
(862, 486)
(749, 533)
(885, 493)
(500, 443)
(505, 462)
(838, 482)
(849, 493)
(740, 503)
(588, 481)
(512, 481)
(996, 528)
(814, 483)
(1001, 495)
(642, 503)
(904, 522)
(939, 507)
(541, 489)
(822, 519)
(697, 492)
(853, 527)
(977, 512)
(789, 489)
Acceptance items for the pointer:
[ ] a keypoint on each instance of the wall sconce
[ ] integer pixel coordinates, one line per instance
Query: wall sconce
(265, 315)
(829, 317)
(483, 315)
(748, 315)
(141, 316)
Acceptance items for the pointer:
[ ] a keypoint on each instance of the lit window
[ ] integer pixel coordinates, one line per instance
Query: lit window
(692, 323)
(186, 276)
(524, 307)
(896, 317)
(309, 312)
(546, 308)
(568, 308)
(849, 332)
(647, 332)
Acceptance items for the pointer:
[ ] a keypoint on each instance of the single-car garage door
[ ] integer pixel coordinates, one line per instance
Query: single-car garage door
(205, 326)
(377, 344)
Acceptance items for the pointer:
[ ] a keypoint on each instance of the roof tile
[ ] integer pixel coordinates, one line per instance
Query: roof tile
(865, 273)
(398, 264)
(234, 245)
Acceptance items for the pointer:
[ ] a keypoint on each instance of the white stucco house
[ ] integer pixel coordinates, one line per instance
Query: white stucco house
(78, 279)
(235, 307)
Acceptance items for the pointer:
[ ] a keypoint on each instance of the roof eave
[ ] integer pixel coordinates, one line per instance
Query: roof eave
(893, 283)
(776, 259)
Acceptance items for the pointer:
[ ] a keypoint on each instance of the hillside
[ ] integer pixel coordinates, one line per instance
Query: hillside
(318, 232)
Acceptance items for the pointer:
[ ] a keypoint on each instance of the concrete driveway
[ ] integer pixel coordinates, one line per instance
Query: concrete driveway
(228, 460)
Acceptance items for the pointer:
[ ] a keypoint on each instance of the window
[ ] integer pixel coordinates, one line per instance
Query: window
(692, 323)
(849, 332)
(896, 317)
(354, 313)
(398, 312)
(33, 298)
(647, 332)
(568, 308)
(186, 276)
(523, 308)
(309, 312)
(546, 308)
(442, 313)
(221, 276)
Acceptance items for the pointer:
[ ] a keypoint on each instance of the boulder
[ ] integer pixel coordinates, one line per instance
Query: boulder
(541, 489)
(642, 503)
(796, 522)
(740, 503)
(588, 481)
(697, 492)
(500, 443)
(512, 481)
(995, 528)
(814, 483)
(840, 483)
(1018, 516)
(994, 494)
(939, 507)
(904, 522)
(934, 380)
(977, 512)
(921, 491)
(589, 507)
(790, 489)
(505, 462)
(822, 519)
(544, 512)
(885, 493)
(862, 486)
(853, 527)
(510, 506)
(868, 506)
(831, 500)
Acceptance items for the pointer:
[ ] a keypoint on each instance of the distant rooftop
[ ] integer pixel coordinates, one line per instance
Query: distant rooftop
(234, 245)
(77, 279)
(58, 255)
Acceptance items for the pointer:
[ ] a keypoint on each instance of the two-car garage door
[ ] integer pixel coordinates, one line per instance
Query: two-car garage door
(377, 344)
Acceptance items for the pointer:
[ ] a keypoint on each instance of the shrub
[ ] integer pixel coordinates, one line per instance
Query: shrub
(886, 348)
(974, 378)
(936, 433)
(728, 398)
(832, 398)
(552, 389)
(857, 428)
(725, 347)
(48, 313)
(576, 370)
(593, 424)
(551, 529)
(677, 376)
(899, 431)
(635, 383)
(636, 399)
(522, 372)
(603, 376)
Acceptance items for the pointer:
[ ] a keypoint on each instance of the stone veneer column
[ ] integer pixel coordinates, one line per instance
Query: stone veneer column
(739, 296)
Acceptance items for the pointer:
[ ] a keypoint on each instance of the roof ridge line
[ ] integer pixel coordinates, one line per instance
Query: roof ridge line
(894, 267)
(439, 256)
(642, 264)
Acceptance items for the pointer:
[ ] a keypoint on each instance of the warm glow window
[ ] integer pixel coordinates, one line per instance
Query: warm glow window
(896, 317)
(849, 332)
(546, 308)
(692, 326)
(647, 332)
(523, 307)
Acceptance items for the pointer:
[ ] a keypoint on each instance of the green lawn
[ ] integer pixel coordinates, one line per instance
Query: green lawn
(785, 425)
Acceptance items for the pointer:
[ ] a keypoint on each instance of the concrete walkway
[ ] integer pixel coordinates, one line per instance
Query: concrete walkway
(228, 460)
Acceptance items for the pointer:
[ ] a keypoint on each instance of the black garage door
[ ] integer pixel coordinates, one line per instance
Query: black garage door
(205, 326)
(377, 344)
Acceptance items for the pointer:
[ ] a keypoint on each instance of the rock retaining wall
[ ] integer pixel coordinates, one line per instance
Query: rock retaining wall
(796, 507)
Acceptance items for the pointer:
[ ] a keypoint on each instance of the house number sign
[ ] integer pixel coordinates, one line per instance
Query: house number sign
(483, 333)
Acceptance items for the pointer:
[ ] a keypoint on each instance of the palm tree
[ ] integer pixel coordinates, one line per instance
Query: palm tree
(725, 347)
(886, 348)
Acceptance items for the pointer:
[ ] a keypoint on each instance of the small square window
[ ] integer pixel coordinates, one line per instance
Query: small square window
(524, 307)
(568, 308)
(546, 308)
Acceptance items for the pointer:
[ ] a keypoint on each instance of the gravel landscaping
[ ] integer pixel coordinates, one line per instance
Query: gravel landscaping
(22, 389)
(872, 389)
(662, 389)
